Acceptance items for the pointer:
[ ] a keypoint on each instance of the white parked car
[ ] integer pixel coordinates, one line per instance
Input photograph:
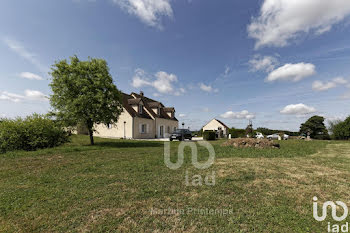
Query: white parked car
(276, 136)
(259, 135)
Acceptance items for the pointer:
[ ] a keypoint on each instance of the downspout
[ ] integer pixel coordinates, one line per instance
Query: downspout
(155, 126)
(133, 127)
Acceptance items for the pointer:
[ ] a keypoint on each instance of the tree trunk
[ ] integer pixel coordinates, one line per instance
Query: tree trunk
(91, 134)
(90, 125)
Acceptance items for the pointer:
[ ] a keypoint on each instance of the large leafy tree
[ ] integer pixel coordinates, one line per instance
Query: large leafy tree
(316, 127)
(84, 93)
(341, 129)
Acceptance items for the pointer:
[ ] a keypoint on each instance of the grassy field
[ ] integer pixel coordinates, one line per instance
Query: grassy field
(123, 186)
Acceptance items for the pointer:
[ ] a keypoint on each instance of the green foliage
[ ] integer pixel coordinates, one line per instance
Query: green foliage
(200, 133)
(237, 133)
(31, 133)
(209, 135)
(315, 126)
(341, 129)
(84, 92)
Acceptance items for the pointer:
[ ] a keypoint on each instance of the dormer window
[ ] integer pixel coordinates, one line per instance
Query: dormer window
(140, 109)
(158, 111)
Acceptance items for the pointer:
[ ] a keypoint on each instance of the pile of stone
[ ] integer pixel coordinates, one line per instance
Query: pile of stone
(251, 143)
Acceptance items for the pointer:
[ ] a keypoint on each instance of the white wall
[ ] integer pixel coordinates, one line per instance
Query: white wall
(214, 125)
(117, 130)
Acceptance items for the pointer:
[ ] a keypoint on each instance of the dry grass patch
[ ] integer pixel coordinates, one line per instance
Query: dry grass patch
(298, 179)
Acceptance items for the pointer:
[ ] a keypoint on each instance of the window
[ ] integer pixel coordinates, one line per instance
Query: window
(174, 129)
(140, 108)
(158, 111)
(168, 129)
(143, 128)
(109, 126)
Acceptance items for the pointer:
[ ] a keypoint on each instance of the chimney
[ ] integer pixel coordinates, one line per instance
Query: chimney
(141, 93)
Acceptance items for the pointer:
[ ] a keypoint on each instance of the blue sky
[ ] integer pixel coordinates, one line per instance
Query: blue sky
(277, 62)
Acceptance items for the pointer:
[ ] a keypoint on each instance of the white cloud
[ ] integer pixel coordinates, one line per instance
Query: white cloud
(340, 80)
(207, 88)
(292, 72)
(238, 115)
(148, 11)
(164, 81)
(24, 53)
(10, 97)
(139, 79)
(297, 109)
(30, 76)
(323, 86)
(263, 63)
(35, 95)
(182, 115)
(161, 81)
(30, 95)
(179, 92)
(280, 21)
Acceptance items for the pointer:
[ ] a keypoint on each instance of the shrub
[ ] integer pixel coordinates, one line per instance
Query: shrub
(209, 135)
(341, 130)
(31, 133)
(237, 133)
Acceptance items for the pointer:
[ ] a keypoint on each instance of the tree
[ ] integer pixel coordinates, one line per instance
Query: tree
(249, 131)
(341, 129)
(315, 126)
(83, 92)
(332, 125)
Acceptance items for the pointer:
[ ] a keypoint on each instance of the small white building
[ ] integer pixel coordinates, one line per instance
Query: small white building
(218, 126)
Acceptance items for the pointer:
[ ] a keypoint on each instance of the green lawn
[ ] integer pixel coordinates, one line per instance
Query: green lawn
(115, 185)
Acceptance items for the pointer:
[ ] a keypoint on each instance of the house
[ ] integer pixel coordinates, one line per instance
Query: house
(142, 118)
(218, 126)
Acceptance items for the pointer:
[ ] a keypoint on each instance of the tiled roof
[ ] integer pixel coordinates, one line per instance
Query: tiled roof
(169, 109)
(130, 109)
(222, 123)
(134, 101)
(148, 103)
(154, 104)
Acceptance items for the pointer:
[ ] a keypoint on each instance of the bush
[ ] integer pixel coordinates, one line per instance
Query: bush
(237, 133)
(209, 135)
(341, 130)
(31, 133)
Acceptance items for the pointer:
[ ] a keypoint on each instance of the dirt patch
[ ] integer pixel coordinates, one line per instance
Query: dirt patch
(99, 215)
(251, 143)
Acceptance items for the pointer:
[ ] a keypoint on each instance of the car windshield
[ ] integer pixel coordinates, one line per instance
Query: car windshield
(179, 131)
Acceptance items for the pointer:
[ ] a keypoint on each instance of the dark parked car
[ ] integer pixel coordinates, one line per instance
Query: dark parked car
(181, 134)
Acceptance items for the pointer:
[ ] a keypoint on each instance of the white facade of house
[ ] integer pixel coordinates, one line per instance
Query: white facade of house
(217, 126)
(140, 121)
